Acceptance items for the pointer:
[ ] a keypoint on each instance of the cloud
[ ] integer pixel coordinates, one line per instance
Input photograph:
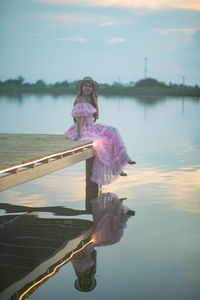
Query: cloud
(83, 40)
(175, 30)
(178, 186)
(148, 4)
(70, 39)
(107, 23)
(23, 197)
(73, 18)
(116, 40)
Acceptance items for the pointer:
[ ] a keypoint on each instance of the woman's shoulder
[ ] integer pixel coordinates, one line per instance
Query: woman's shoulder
(81, 99)
(82, 108)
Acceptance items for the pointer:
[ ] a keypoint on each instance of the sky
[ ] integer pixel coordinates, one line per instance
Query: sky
(57, 40)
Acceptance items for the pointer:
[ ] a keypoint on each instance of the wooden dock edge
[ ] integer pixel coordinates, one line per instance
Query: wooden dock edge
(35, 171)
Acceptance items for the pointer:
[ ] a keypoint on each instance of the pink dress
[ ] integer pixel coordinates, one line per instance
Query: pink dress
(110, 153)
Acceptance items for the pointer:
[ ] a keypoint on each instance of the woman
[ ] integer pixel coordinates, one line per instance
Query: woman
(109, 150)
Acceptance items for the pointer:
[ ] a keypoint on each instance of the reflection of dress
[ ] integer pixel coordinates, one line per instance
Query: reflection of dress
(109, 149)
(110, 218)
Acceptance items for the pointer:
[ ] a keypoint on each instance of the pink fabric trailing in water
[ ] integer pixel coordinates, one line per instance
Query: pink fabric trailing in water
(109, 149)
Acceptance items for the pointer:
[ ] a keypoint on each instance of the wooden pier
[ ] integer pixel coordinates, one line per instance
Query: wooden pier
(24, 157)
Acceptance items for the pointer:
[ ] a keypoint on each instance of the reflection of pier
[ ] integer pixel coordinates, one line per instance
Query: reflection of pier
(33, 247)
(25, 157)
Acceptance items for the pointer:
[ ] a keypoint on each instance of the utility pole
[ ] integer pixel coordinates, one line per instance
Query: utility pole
(145, 67)
(183, 100)
(183, 82)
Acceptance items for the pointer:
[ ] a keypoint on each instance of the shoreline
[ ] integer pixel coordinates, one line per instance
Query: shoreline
(111, 91)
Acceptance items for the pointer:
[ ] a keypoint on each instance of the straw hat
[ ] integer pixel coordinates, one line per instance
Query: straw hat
(86, 289)
(87, 78)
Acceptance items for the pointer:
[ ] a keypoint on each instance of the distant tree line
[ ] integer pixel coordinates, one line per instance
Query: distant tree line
(143, 87)
(20, 85)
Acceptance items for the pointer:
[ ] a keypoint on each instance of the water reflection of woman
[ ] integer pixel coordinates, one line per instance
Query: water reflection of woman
(110, 218)
(109, 149)
(84, 264)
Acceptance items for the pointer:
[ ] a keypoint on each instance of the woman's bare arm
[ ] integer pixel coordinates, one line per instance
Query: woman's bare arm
(79, 122)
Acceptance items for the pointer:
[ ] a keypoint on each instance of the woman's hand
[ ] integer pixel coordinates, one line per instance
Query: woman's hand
(96, 116)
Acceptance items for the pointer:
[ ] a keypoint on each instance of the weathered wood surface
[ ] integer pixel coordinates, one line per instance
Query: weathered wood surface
(16, 149)
(20, 148)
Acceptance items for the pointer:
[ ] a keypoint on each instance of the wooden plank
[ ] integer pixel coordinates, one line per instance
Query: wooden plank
(26, 175)
(20, 148)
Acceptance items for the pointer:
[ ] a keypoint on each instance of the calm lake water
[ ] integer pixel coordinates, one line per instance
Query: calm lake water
(158, 255)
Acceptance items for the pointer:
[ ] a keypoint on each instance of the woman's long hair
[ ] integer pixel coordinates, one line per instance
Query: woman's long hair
(93, 101)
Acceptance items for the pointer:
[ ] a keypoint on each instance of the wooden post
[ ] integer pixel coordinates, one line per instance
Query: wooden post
(93, 190)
